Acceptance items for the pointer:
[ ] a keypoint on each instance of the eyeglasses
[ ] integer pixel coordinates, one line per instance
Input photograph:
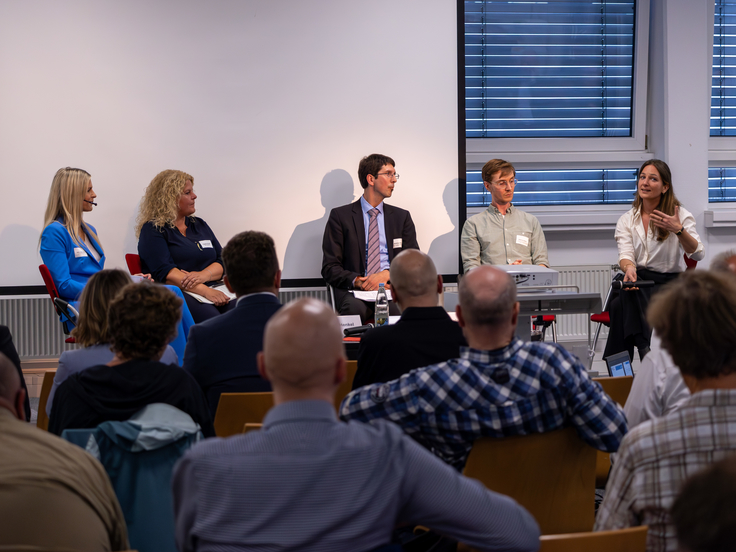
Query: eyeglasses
(389, 174)
(503, 183)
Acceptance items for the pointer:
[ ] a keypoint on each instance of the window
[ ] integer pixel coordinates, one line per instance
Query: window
(721, 184)
(557, 88)
(723, 90)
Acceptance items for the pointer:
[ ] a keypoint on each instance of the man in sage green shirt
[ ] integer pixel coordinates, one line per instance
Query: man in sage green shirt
(502, 234)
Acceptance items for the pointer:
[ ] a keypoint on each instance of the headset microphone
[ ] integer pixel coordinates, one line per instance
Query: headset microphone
(92, 202)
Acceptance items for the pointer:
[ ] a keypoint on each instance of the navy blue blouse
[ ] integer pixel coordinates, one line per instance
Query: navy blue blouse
(165, 248)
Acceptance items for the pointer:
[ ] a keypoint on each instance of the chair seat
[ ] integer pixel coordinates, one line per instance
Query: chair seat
(601, 318)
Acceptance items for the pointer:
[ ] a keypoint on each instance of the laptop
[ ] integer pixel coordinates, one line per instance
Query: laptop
(619, 365)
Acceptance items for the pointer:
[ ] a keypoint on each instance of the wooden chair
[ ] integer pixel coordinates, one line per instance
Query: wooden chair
(48, 381)
(618, 389)
(347, 385)
(251, 427)
(551, 474)
(236, 409)
(633, 539)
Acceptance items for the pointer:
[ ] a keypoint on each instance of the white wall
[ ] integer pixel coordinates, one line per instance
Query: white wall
(269, 105)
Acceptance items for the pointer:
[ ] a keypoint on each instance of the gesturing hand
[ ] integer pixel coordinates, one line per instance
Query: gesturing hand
(666, 222)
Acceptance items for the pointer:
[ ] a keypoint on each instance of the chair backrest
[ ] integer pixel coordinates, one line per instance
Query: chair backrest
(48, 381)
(251, 427)
(550, 474)
(689, 263)
(347, 385)
(236, 409)
(632, 539)
(134, 263)
(617, 388)
(50, 285)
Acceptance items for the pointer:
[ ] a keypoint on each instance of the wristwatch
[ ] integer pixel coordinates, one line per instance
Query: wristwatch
(681, 231)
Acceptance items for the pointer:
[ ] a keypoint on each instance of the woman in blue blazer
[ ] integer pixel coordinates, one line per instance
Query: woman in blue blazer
(70, 247)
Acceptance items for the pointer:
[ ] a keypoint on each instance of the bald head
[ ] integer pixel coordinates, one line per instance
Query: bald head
(414, 279)
(302, 350)
(11, 392)
(487, 297)
(724, 262)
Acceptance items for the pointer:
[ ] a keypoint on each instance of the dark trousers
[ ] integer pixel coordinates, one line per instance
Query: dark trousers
(204, 311)
(628, 309)
(346, 304)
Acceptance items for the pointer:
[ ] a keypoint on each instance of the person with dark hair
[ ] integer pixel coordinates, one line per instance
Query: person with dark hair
(221, 352)
(53, 495)
(695, 318)
(424, 335)
(141, 320)
(500, 386)
(651, 238)
(361, 239)
(704, 512)
(307, 482)
(502, 234)
(92, 332)
(7, 347)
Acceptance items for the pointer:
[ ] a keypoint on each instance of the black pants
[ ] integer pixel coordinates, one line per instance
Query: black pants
(204, 311)
(628, 309)
(346, 303)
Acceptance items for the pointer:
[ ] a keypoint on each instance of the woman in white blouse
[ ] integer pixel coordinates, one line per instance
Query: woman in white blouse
(651, 238)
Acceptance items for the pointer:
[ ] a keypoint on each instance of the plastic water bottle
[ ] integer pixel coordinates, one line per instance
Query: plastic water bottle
(381, 313)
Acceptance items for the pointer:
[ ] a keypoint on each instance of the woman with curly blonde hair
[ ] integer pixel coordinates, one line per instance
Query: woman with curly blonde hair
(178, 248)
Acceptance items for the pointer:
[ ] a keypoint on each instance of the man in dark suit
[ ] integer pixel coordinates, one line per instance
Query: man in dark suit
(221, 352)
(356, 259)
(424, 335)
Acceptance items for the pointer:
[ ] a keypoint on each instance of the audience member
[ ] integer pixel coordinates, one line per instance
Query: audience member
(52, 493)
(221, 352)
(704, 513)
(424, 335)
(307, 482)
(658, 388)
(500, 386)
(141, 320)
(356, 259)
(502, 234)
(8, 349)
(92, 332)
(695, 317)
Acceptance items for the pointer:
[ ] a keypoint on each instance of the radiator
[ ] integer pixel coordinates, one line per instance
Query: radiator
(590, 279)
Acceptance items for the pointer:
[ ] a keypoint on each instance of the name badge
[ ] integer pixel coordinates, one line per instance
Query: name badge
(398, 243)
(522, 240)
(79, 252)
(206, 244)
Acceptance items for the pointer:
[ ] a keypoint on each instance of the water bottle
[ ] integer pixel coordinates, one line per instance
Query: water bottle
(381, 313)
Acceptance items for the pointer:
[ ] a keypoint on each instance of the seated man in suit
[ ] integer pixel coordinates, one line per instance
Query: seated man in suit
(356, 259)
(52, 493)
(307, 482)
(424, 335)
(221, 352)
(694, 318)
(502, 234)
(500, 386)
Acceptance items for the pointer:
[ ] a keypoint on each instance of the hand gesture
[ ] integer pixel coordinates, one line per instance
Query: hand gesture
(666, 222)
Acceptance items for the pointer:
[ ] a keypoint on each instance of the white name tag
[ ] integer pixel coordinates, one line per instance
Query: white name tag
(398, 243)
(206, 244)
(79, 252)
(522, 240)
(349, 321)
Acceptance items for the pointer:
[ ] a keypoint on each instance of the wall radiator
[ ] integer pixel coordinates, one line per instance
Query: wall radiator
(37, 332)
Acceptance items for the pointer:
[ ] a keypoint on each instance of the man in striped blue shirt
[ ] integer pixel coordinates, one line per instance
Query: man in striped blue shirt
(500, 386)
(307, 482)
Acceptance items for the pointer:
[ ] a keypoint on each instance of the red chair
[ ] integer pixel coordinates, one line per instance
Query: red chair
(134, 263)
(545, 321)
(604, 318)
(60, 306)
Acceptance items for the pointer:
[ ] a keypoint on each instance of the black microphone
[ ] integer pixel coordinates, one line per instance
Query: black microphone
(357, 330)
(92, 202)
(626, 285)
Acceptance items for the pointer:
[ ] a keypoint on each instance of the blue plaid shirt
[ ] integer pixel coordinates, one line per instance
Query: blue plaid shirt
(520, 389)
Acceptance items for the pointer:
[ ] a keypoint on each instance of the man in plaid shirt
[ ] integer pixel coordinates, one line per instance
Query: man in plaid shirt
(695, 317)
(500, 386)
